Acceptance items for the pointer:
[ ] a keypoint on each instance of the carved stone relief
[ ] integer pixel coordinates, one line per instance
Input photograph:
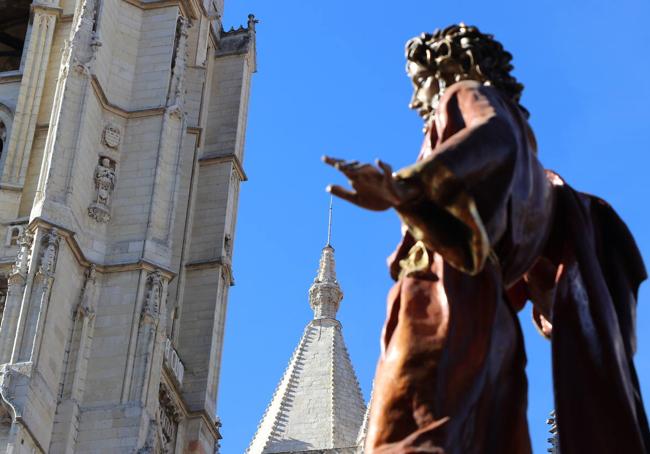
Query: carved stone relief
(154, 295)
(19, 268)
(84, 44)
(86, 300)
(104, 177)
(111, 136)
(50, 247)
(169, 416)
(176, 94)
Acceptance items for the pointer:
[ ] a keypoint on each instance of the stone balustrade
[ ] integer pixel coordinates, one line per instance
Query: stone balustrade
(173, 362)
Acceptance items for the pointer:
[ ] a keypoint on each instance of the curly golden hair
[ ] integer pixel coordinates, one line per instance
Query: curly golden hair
(461, 52)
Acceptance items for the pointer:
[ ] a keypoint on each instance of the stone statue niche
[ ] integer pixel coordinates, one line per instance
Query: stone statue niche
(104, 178)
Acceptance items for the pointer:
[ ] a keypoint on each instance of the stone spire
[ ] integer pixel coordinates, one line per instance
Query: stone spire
(325, 294)
(554, 439)
(318, 405)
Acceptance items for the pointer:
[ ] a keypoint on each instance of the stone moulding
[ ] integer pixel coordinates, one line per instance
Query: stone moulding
(190, 8)
(83, 261)
(215, 158)
(11, 77)
(120, 111)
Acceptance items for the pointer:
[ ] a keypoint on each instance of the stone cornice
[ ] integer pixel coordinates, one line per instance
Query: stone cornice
(44, 127)
(221, 262)
(207, 264)
(196, 131)
(9, 77)
(213, 158)
(120, 111)
(189, 8)
(239, 42)
(11, 187)
(47, 9)
(84, 262)
(234, 42)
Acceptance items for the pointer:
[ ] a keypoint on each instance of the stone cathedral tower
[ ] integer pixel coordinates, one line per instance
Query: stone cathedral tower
(318, 406)
(122, 127)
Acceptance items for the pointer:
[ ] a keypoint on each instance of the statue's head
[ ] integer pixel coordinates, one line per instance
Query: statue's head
(459, 52)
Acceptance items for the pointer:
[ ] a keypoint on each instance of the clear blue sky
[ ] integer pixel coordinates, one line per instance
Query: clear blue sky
(331, 80)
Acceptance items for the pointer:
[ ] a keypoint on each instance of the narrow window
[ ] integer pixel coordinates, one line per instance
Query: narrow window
(13, 235)
(14, 20)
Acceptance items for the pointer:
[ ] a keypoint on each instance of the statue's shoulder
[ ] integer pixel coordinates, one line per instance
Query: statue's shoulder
(463, 86)
(469, 89)
(469, 92)
(471, 101)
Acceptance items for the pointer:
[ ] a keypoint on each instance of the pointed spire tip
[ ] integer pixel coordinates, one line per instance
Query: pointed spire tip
(329, 225)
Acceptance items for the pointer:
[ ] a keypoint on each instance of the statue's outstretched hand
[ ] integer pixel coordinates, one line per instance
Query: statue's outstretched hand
(375, 188)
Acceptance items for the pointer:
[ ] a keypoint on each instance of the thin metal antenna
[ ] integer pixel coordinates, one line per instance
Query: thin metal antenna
(329, 225)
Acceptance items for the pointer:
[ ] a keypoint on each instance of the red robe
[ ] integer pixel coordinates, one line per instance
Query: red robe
(491, 229)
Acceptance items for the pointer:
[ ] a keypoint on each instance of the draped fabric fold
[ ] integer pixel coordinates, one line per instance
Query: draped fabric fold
(598, 400)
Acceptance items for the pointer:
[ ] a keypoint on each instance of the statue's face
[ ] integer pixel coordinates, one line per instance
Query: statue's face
(425, 89)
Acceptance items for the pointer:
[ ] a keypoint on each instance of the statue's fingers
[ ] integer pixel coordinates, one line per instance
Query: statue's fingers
(334, 162)
(347, 167)
(343, 193)
(350, 165)
(388, 175)
(385, 167)
(389, 181)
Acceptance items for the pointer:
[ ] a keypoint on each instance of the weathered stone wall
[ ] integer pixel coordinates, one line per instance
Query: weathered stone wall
(112, 331)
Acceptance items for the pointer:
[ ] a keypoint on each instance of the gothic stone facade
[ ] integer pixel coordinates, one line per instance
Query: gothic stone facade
(122, 128)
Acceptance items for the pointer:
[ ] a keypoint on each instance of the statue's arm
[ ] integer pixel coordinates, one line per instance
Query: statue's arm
(465, 182)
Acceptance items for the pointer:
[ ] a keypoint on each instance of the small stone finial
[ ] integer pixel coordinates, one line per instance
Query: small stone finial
(329, 225)
(554, 440)
(325, 294)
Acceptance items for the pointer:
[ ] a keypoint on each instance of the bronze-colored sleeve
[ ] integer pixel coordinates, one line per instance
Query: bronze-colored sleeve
(464, 188)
